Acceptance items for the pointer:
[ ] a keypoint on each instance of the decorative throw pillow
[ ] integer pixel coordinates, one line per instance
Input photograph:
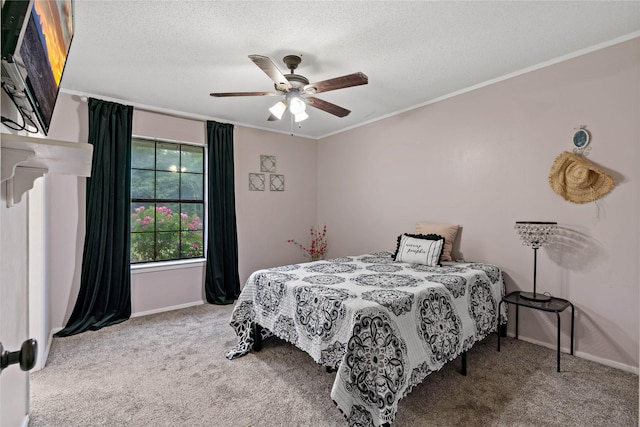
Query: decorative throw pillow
(417, 236)
(425, 250)
(448, 231)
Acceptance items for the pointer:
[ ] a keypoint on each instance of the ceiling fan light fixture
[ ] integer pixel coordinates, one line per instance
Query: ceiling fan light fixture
(296, 104)
(300, 117)
(278, 109)
(296, 90)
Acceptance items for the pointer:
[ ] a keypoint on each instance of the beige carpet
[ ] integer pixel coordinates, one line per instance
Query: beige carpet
(169, 369)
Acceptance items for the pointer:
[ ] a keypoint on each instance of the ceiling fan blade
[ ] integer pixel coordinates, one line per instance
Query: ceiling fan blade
(330, 108)
(355, 79)
(270, 69)
(223, 94)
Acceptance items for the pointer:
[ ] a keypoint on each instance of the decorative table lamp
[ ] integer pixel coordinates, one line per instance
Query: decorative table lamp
(535, 234)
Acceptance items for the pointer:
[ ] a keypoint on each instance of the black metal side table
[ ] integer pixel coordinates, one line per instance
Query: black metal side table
(554, 305)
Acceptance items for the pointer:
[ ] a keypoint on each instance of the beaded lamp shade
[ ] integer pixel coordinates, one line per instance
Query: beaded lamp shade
(535, 234)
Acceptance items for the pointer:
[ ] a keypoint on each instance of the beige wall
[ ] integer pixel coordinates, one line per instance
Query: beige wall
(482, 160)
(267, 219)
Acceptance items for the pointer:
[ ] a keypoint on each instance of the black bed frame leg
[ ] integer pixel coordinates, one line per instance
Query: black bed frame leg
(463, 370)
(257, 337)
(503, 330)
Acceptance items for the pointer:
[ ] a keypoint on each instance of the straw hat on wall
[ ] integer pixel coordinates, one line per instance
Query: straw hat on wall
(578, 180)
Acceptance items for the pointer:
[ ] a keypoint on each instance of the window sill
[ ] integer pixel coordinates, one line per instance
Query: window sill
(152, 267)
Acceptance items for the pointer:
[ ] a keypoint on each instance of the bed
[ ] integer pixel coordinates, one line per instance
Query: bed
(383, 325)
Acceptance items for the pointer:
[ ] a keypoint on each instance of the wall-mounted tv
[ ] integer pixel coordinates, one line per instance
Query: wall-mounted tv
(36, 37)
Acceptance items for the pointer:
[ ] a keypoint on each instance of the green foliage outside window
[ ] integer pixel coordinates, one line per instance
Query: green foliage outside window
(167, 201)
(158, 234)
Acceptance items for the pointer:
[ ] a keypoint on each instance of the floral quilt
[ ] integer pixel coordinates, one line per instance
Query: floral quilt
(384, 325)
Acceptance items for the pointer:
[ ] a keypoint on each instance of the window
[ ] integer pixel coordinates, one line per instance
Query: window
(167, 201)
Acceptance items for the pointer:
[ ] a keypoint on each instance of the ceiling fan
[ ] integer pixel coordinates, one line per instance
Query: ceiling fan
(297, 90)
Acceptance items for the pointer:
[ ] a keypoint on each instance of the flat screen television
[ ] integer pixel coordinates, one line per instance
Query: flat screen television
(36, 37)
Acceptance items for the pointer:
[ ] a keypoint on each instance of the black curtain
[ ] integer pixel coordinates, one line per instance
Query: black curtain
(222, 283)
(105, 283)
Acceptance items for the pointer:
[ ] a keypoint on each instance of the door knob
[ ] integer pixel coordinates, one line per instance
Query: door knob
(26, 356)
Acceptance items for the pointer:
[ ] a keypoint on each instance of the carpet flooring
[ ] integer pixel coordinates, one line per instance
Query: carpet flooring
(169, 369)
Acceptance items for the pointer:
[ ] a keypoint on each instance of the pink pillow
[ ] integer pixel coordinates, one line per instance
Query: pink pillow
(448, 231)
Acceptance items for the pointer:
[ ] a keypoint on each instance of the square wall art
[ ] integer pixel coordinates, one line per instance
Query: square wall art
(276, 182)
(267, 163)
(256, 182)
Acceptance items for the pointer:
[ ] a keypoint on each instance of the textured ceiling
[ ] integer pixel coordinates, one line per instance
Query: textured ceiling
(169, 55)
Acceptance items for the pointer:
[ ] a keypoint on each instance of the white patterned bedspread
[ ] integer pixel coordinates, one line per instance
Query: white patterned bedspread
(385, 325)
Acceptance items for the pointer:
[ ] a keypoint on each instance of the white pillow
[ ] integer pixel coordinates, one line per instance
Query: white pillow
(419, 251)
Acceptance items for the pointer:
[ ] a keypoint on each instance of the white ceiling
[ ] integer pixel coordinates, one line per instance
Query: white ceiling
(169, 55)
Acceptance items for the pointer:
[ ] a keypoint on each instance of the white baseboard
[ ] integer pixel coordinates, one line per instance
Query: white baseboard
(25, 421)
(163, 309)
(581, 354)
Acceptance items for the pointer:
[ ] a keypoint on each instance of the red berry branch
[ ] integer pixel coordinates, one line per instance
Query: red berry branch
(318, 246)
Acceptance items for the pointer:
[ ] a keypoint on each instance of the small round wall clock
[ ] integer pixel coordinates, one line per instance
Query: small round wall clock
(581, 138)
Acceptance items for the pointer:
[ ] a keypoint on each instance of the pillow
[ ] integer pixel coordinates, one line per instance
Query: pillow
(448, 231)
(425, 250)
(417, 236)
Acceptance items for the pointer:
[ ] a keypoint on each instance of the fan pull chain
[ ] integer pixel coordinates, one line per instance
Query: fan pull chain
(291, 122)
